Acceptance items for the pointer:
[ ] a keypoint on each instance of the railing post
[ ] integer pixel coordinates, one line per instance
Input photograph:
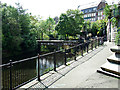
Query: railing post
(95, 42)
(82, 49)
(54, 60)
(92, 45)
(38, 67)
(87, 46)
(10, 74)
(98, 41)
(39, 47)
(65, 57)
(102, 40)
(79, 47)
(75, 54)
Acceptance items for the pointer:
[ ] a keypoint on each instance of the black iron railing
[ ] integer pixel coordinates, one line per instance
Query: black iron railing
(18, 73)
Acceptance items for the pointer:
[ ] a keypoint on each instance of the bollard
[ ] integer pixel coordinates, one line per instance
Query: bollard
(54, 60)
(38, 67)
(10, 74)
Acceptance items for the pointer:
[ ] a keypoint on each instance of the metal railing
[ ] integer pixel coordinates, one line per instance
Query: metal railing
(18, 73)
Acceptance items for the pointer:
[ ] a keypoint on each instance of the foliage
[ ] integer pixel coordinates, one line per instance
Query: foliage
(21, 29)
(117, 39)
(50, 24)
(87, 25)
(76, 21)
(111, 12)
(70, 23)
(56, 19)
(62, 26)
(107, 11)
(94, 28)
(16, 35)
(70, 37)
(101, 27)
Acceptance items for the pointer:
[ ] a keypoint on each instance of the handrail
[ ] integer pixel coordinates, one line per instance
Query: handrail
(83, 47)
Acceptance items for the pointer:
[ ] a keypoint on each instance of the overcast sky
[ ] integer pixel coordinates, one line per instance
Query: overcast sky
(52, 8)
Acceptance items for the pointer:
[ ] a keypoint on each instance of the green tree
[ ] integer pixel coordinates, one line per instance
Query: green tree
(70, 23)
(76, 21)
(50, 24)
(101, 27)
(43, 29)
(62, 25)
(11, 29)
(94, 28)
(107, 11)
(16, 33)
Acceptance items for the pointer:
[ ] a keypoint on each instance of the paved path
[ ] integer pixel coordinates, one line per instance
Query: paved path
(79, 74)
(85, 75)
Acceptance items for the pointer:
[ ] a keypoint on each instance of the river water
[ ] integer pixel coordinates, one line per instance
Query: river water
(27, 70)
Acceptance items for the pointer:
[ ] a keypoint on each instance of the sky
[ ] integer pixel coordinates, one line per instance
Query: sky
(52, 8)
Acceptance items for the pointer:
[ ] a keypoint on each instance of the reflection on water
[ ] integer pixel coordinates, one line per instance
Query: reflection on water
(47, 63)
(26, 70)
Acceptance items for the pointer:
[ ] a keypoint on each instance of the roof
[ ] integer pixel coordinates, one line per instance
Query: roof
(89, 5)
(96, 3)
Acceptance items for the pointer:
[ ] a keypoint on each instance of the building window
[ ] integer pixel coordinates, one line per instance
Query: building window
(85, 16)
(101, 13)
(94, 9)
(86, 11)
(91, 14)
(94, 14)
(90, 10)
(98, 18)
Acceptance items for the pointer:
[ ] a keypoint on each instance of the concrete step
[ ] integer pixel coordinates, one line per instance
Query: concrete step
(115, 58)
(115, 49)
(108, 73)
(111, 68)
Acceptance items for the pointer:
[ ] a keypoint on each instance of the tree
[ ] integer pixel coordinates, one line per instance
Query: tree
(11, 29)
(94, 28)
(50, 24)
(17, 36)
(70, 23)
(107, 11)
(29, 41)
(56, 19)
(101, 27)
(76, 21)
(62, 25)
(43, 28)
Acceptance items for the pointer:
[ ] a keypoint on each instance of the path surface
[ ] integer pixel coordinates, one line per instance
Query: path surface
(79, 74)
(85, 75)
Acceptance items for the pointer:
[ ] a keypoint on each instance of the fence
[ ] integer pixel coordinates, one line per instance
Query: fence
(18, 73)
